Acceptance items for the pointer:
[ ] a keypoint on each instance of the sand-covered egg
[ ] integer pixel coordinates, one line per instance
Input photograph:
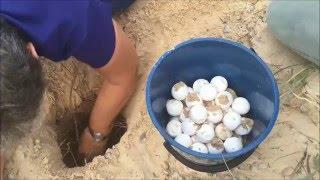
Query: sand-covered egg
(232, 92)
(220, 83)
(206, 117)
(184, 140)
(215, 146)
(193, 99)
(174, 127)
(245, 127)
(215, 113)
(189, 127)
(232, 144)
(222, 131)
(179, 91)
(198, 114)
(185, 114)
(205, 133)
(197, 85)
(231, 120)
(241, 105)
(224, 100)
(208, 103)
(174, 107)
(199, 147)
(208, 92)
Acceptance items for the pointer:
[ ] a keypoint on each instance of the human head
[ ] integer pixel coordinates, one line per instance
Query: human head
(21, 82)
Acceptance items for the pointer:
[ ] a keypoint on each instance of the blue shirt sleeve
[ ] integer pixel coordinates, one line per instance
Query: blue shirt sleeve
(60, 29)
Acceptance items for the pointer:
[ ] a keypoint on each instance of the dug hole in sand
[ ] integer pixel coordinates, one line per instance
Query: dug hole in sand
(156, 26)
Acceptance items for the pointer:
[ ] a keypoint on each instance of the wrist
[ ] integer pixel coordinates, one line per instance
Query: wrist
(96, 135)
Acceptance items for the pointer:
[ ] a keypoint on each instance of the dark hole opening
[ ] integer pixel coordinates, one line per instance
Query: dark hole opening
(69, 131)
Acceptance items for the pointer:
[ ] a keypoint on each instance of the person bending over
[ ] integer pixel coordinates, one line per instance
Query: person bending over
(57, 30)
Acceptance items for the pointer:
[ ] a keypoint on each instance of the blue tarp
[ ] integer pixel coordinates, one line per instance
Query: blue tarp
(296, 24)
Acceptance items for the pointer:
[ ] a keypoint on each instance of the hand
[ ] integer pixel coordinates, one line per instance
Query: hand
(88, 147)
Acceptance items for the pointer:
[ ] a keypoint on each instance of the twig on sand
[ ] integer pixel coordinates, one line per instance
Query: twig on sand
(306, 99)
(228, 167)
(295, 76)
(223, 21)
(69, 150)
(300, 164)
(62, 142)
(280, 70)
(308, 164)
(285, 156)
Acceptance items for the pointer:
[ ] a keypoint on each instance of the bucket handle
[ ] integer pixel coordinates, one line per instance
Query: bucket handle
(208, 168)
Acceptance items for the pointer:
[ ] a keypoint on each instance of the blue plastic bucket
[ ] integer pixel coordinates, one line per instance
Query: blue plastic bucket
(204, 58)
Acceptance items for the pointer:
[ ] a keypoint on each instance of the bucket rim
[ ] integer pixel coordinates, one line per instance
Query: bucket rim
(253, 144)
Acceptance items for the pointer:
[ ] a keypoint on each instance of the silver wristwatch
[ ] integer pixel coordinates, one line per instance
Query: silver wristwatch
(98, 137)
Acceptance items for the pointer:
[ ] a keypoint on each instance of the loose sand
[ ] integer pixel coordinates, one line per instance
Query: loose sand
(156, 26)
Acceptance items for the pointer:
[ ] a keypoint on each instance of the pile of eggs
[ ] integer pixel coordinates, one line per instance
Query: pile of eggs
(209, 117)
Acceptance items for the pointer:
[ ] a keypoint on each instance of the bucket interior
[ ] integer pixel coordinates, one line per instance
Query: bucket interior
(245, 72)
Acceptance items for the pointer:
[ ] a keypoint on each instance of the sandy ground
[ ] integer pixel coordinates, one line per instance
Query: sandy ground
(156, 26)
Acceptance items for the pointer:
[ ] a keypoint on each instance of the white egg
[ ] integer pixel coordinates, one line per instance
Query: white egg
(232, 92)
(224, 100)
(197, 85)
(174, 127)
(184, 140)
(205, 134)
(232, 120)
(199, 147)
(241, 105)
(174, 107)
(220, 83)
(222, 131)
(179, 91)
(189, 127)
(193, 99)
(208, 92)
(238, 136)
(185, 114)
(198, 114)
(209, 103)
(232, 144)
(245, 127)
(215, 113)
(215, 146)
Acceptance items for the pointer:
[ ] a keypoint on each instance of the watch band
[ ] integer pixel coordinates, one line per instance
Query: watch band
(98, 137)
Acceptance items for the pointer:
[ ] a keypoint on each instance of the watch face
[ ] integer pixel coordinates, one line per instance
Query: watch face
(98, 137)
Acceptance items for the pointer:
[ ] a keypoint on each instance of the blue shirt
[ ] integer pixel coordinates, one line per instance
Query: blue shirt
(60, 29)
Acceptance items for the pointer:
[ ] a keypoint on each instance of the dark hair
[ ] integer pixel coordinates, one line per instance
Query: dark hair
(21, 82)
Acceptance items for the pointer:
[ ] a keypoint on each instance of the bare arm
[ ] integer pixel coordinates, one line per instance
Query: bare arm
(119, 83)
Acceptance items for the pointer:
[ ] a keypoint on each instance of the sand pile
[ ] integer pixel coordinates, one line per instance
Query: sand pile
(156, 26)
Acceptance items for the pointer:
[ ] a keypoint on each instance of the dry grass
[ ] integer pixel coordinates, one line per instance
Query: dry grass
(292, 87)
